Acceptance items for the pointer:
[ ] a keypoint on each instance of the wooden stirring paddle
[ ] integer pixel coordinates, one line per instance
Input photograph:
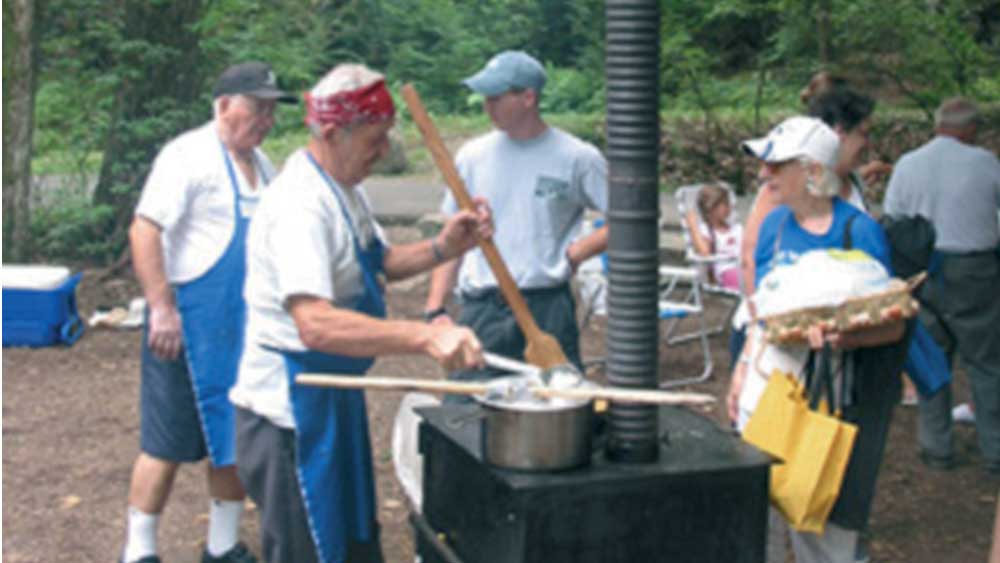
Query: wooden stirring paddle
(542, 348)
(586, 393)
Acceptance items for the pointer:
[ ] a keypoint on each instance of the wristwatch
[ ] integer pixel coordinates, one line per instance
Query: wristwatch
(434, 313)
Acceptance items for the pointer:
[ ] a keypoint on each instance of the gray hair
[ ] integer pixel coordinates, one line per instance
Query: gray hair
(829, 183)
(956, 113)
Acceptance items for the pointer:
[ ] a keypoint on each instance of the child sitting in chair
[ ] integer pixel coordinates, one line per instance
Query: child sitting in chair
(713, 235)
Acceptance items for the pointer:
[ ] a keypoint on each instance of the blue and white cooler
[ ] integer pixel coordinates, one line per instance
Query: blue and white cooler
(39, 306)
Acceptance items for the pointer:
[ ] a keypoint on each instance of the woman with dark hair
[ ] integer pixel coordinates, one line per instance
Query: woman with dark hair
(849, 114)
(821, 82)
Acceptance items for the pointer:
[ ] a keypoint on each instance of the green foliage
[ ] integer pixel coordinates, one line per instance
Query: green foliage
(436, 43)
(72, 230)
(113, 85)
(76, 84)
(926, 51)
(569, 89)
(157, 82)
(290, 35)
(587, 126)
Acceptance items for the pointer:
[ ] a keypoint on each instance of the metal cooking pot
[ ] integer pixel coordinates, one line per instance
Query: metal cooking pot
(530, 434)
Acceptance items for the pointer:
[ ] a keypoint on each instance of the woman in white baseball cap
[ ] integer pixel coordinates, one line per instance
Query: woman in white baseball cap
(797, 162)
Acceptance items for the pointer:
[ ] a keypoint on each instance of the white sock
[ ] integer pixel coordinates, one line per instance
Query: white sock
(223, 525)
(141, 538)
(963, 413)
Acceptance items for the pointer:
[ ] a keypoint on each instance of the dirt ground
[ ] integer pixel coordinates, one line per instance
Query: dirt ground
(70, 435)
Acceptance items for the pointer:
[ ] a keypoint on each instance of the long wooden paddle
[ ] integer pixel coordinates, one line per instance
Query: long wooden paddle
(542, 348)
(618, 394)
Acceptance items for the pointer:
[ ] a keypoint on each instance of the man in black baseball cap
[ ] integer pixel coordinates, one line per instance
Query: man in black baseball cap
(252, 78)
(188, 247)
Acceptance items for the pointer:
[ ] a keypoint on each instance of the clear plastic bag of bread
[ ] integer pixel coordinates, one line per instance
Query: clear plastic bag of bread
(841, 290)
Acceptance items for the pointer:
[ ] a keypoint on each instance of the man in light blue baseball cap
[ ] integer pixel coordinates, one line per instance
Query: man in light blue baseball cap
(510, 70)
(539, 180)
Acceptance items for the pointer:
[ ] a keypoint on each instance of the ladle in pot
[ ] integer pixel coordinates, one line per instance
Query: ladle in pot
(560, 376)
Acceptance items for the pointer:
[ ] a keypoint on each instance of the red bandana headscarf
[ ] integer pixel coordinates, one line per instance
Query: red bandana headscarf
(369, 103)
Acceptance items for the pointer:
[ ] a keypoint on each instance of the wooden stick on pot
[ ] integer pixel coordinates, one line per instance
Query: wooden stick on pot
(390, 383)
(467, 388)
(542, 348)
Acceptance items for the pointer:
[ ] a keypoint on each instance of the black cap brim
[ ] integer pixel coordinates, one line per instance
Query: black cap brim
(273, 94)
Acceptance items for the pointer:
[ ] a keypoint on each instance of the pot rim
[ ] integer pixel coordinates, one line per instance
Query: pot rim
(538, 406)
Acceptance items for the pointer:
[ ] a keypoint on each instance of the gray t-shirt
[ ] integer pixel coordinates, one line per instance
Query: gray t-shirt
(956, 186)
(538, 190)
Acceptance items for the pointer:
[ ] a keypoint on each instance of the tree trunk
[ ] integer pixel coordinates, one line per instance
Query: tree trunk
(20, 63)
(161, 76)
(824, 36)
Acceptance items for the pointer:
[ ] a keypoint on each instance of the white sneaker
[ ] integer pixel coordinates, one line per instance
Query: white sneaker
(963, 414)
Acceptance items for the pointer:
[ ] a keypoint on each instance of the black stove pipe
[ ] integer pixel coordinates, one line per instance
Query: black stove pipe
(632, 71)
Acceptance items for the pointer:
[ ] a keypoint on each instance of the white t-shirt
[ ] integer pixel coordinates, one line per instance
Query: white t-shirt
(538, 190)
(726, 243)
(189, 195)
(299, 244)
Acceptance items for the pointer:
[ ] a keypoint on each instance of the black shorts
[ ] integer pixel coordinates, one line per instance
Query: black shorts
(170, 426)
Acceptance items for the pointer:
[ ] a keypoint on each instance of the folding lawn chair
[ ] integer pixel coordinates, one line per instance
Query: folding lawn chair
(687, 198)
(679, 298)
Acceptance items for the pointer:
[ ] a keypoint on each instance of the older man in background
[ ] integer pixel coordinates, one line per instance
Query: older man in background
(314, 288)
(956, 185)
(188, 248)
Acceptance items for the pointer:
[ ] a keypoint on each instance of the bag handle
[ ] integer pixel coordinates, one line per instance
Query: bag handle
(848, 239)
(808, 370)
(822, 380)
(848, 362)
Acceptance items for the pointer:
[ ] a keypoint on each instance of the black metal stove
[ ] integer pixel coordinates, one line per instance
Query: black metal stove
(703, 500)
(699, 497)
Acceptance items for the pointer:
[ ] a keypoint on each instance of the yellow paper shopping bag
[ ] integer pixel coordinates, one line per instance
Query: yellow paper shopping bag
(772, 427)
(805, 488)
(793, 424)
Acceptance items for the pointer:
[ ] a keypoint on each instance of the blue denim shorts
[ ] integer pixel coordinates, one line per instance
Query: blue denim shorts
(170, 427)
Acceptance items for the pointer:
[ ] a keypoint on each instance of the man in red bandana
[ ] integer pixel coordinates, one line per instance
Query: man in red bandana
(317, 260)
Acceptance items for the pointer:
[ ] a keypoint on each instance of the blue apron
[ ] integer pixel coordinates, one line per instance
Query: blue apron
(333, 453)
(212, 313)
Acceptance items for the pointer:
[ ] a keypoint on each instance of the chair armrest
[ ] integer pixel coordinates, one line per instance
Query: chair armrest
(678, 273)
(696, 258)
